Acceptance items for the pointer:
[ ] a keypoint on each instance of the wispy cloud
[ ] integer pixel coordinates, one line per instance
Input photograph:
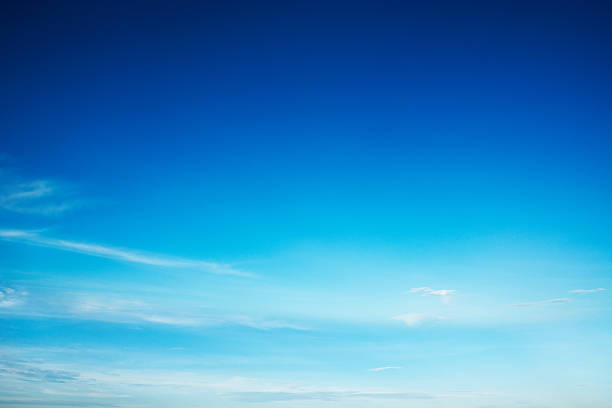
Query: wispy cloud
(134, 311)
(28, 372)
(264, 324)
(378, 369)
(43, 197)
(544, 302)
(9, 297)
(128, 255)
(274, 396)
(96, 381)
(415, 319)
(444, 294)
(114, 309)
(587, 291)
(427, 291)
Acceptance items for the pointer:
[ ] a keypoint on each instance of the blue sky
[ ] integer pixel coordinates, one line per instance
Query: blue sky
(239, 204)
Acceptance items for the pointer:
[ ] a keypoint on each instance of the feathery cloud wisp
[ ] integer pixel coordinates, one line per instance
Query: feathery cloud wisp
(444, 294)
(544, 302)
(276, 396)
(43, 197)
(587, 291)
(378, 369)
(33, 238)
(427, 291)
(9, 297)
(414, 319)
(107, 307)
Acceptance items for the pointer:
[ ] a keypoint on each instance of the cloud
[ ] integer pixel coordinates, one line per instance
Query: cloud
(128, 255)
(42, 197)
(427, 291)
(586, 291)
(544, 302)
(264, 324)
(26, 372)
(444, 294)
(378, 369)
(118, 381)
(113, 309)
(413, 319)
(9, 297)
(273, 396)
(170, 320)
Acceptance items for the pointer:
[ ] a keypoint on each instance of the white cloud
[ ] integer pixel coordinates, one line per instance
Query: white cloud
(427, 291)
(43, 197)
(37, 372)
(56, 376)
(587, 291)
(9, 297)
(412, 319)
(444, 294)
(263, 324)
(114, 309)
(378, 369)
(544, 302)
(171, 320)
(33, 238)
(281, 396)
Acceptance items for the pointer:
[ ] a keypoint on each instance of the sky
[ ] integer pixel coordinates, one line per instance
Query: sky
(306, 204)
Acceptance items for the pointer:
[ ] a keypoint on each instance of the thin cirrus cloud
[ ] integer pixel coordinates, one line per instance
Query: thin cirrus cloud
(427, 291)
(544, 302)
(378, 369)
(277, 396)
(41, 197)
(112, 309)
(443, 294)
(587, 291)
(128, 255)
(26, 372)
(9, 297)
(180, 320)
(415, 319)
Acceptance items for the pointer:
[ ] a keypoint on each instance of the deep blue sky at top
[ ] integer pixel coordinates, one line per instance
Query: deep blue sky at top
(234, 128)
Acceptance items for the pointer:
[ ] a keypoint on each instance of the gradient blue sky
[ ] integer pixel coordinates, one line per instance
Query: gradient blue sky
(303, 204)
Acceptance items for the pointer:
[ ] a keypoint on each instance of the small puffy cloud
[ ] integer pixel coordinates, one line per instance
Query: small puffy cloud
(587, 291)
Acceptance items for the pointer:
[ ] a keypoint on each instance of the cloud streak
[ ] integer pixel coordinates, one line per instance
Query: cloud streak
(274, 396)
(29, 373)
(110, 382)
(118, 310)
(544, 302)
(42, 197)
(378, 369)
(415, 319)
(443, 294)
(427, 291)
(587, 291)
(9, 298)
(120, 254)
